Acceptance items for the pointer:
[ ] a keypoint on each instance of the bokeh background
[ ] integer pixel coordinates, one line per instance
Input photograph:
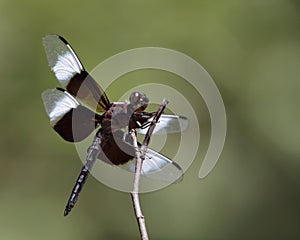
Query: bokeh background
(250, 48)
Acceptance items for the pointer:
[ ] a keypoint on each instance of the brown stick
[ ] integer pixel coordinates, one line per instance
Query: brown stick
(135, 192)
(140, 156)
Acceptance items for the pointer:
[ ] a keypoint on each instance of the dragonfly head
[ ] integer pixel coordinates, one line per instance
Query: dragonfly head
(138, 101)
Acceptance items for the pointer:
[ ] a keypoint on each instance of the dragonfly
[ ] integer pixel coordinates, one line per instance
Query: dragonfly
(80, 106)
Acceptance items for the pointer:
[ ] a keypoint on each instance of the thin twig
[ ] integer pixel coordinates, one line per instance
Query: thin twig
(140, 156)
(135, 192)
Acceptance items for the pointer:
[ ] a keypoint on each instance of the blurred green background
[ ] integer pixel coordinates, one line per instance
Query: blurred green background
(252, 51)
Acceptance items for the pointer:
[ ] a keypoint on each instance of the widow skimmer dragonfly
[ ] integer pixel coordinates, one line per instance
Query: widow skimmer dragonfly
(80, 106)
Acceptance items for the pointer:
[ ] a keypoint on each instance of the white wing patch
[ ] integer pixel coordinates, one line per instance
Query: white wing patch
(58, 103)
(65, 68)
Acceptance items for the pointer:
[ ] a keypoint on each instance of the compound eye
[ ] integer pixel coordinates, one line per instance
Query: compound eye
(139, 101)
(134, 98)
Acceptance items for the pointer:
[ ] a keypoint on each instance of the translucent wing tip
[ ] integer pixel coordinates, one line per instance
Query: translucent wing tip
(180, 173)
(171, 173)
(53, 37)
(184, 123)
(50, 43)
(49, 36)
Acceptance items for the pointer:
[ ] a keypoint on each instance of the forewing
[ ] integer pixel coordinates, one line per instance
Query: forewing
(71, 74)
(167, 124)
